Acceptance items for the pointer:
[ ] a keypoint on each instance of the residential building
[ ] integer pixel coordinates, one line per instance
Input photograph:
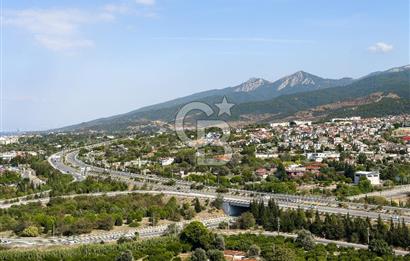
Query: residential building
(372, 176)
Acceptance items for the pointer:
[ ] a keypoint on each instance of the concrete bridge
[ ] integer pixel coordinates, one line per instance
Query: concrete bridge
(235, 208)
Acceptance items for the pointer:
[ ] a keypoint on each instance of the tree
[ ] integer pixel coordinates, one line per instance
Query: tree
(199, 255)
(281, 253)
(105, 222)
(254, 207)
(223, 225)
(124, 239)
(82, 226)
(216, 255)
(153, 219)
(331, 248)
(254, 251)
(218, 202)
(136, 235)
(349, 171)
(362, 158)
(118, 220)
(317, 225)
(172, 208)
(380, 229)
(189, 213)
(172, 229)
(365, 185)
(281, 172)
(196, 234)
(31, 231)
(125, 256)
(219, 242)
(305, 240)
(197, 206)
(380, 247)
(246, 220)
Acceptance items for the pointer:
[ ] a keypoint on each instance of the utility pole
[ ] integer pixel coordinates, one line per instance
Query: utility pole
(278, 220)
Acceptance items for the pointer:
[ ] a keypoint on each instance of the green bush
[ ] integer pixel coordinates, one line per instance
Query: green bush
(30, 231)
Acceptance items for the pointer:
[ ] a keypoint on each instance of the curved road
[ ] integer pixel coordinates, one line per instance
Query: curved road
(69, 163)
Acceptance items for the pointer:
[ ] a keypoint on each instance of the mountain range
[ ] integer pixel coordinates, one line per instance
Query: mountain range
(300, 95)
(258, 89)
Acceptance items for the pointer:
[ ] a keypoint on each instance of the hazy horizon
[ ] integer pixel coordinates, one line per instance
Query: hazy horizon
(69, 62)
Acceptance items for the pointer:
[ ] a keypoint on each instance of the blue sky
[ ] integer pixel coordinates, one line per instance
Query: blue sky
(66, 62)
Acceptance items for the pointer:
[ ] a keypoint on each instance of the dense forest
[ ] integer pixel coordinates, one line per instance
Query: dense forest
(82, 214)
(331, 226)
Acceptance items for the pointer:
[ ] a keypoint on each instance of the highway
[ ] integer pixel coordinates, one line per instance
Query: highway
(242, 201)
(398, 191)
(323, 205)
(57, 162)
(72, 158)
(234, 197)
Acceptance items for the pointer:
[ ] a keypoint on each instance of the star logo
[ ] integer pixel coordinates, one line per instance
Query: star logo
(224, 107)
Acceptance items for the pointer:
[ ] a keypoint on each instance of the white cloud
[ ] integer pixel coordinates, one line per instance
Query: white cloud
(129, 8)
(55, 29)
(241, 39)
(116, 8)
(62, 44)
(145, 2)
(381, 47)
(61, 29)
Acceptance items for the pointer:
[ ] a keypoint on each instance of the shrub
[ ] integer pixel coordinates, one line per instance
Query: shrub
(199, 255)
(31, 231)
(305, 240)
(380, 247)
(254, 251)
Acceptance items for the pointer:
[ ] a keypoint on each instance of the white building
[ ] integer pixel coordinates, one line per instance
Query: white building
(300, 123)
(320, 156)
(30, 174)
(167, 161)
(260, 155)
(346, 119)
(372, 176)
(281, 124)
(9, 155)
(5, 140)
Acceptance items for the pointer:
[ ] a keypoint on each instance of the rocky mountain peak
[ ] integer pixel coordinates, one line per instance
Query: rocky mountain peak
(298, 78)
(399, 69)
(250, 85)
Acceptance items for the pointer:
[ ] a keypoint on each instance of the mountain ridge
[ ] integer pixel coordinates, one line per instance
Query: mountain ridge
(254, 89)
(291, 102)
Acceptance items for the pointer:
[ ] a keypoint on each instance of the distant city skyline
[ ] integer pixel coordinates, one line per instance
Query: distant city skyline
(67, 62)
